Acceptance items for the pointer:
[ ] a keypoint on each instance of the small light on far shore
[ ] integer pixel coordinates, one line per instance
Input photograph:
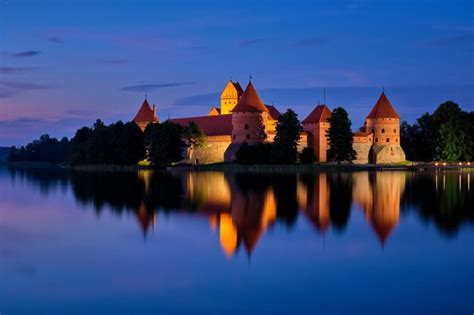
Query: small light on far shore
(444, 163)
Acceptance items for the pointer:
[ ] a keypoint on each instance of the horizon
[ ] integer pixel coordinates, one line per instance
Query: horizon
(64, 66)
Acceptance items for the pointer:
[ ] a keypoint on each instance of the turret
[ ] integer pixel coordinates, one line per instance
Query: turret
(248, 118)
(145, 115)
(384, 122)
(316, 124)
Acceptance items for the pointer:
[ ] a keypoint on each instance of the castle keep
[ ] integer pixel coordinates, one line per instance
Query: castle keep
(243, 117)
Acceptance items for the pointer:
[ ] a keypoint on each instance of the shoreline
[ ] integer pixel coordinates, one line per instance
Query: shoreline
(234, 167)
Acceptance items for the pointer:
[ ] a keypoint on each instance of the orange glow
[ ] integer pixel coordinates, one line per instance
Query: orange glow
(269, 209)
(228, 234)
(213, 222)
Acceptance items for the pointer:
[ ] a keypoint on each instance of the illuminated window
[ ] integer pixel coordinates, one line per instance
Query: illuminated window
(246, 127)
(388, 139)
(247, 136)
(383, 130)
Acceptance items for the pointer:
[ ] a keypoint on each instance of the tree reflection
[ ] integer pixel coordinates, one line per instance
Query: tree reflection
(241, 207)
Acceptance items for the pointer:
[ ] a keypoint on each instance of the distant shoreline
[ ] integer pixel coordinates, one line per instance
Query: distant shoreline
(233, 167)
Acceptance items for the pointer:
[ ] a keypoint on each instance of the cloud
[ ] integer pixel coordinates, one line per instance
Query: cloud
(250, 42)
(453, 40)
(16, 70)
(22, 54)
(55, 39)
(11, 88)
(151, 87)
(24, 85)
(310, 42)
(114, 61)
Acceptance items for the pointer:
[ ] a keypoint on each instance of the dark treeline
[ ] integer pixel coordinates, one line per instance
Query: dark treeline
(446, 135)
(118, 143)
(45, 149)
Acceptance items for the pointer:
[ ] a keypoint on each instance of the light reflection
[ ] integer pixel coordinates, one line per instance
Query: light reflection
(242, 207)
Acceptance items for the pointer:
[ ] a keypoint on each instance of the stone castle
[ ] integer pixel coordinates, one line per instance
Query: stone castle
(243, 117)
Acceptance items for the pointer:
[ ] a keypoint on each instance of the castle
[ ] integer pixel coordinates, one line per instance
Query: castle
(243, 117)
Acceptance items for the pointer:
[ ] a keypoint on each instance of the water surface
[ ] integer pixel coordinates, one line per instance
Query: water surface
(232, 243)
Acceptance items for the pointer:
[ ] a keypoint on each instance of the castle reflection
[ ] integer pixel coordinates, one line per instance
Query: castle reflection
(241, 207)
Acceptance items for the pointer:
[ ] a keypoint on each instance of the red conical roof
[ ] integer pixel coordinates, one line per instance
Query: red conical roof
(320, 113)
(383, 109)
(250, 101)
(145, 114)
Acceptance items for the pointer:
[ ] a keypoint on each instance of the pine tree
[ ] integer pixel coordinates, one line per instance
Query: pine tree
(340, 137)
(285, 144)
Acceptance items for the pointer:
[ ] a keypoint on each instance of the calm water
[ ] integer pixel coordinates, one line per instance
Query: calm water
(211, 242)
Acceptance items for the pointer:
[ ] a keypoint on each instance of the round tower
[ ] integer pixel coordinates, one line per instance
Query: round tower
(384, 122)
(248, 118)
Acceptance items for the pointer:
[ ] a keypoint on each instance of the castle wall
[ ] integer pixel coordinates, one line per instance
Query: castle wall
(363, 152)
(211, 152)
(386, 153)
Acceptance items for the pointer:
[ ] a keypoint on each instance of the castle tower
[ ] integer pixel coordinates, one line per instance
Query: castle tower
(230, 97)
(145, 115)
(316, 124)
(384, 123)
(248, 118)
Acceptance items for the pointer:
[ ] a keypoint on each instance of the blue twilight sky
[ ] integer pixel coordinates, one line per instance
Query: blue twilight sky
(64, 64)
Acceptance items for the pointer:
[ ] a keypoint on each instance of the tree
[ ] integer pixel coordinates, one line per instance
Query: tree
(164, 143)
(307, 156)
(340, 137)
(134, 144)
(452, 145)
(285, 144)
(259, 153)
(79, 145)
(194, 137)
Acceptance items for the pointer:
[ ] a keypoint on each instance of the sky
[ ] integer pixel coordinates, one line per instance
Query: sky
(64, 64)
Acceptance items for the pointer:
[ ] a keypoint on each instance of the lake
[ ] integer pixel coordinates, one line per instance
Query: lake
(387, 242)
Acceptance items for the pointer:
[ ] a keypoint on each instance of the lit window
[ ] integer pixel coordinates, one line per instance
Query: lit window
(246, 127)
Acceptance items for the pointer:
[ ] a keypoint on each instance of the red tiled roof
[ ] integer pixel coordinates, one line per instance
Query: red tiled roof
(320, 113)
(383, 109)
(362, 133)
(274, 113)
(218, 125)
(145, 114)
(250, 101)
